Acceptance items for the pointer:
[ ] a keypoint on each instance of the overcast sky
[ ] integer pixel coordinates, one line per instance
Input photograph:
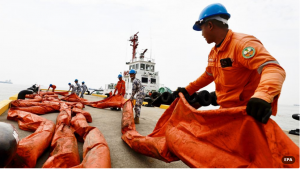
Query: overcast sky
(56, 41)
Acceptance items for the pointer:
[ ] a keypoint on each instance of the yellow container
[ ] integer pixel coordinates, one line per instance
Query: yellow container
(4, 105)
(14, 97)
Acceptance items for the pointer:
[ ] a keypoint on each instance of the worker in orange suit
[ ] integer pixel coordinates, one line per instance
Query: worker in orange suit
(244, 72)
(51, 86)
(120, 87)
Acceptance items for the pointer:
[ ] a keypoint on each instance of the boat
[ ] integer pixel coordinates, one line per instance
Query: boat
(6, 81)
(145, 68)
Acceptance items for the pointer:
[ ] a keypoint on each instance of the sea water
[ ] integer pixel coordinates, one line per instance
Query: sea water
(283, 118)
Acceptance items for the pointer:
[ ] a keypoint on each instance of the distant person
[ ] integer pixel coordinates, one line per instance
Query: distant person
(51, 86)
(138, 89)
(72, 87)
(110, 93)
(78, 87)
(84, 89)
(150, 93)
(120, 87)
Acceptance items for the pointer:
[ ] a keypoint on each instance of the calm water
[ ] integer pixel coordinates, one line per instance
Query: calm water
(284, 116)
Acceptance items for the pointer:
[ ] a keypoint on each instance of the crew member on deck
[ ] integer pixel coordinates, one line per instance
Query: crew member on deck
(78, 87)
(72, 87)
(51, 86)
(120, 87)
(84, 89)
(138, 89)
(244, 72)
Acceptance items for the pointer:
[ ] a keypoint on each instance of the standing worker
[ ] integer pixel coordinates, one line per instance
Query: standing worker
(244, 72)
(72, 87)
(51, 86)
(138, 89)
(84, 89)
(120, 87)
(78, 87)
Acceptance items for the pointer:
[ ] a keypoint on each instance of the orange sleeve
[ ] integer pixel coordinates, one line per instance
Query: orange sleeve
(269, 87)
(205, 79)
(272, 74)
(261, 55)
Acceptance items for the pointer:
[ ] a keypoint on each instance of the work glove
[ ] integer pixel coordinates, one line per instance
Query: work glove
(259, 110)
(182, 90)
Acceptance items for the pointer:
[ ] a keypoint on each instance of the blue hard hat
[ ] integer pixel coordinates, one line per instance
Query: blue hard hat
(119, 75)
(50, 85)
(69, 83)
(132, 71)
(76, 80)
(211, 10)
(83, 82)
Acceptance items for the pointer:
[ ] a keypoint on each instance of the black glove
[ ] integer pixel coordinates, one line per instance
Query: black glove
(259, 109)
(183, 91)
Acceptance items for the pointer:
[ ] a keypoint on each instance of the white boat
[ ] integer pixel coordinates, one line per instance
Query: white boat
(6, 81)
(145, 68)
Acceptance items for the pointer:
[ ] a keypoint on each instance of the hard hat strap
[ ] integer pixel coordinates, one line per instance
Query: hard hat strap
(217, 17)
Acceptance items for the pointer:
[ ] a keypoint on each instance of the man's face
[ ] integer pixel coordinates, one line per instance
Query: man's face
(132, 76)
(206, 32)
(120, 78)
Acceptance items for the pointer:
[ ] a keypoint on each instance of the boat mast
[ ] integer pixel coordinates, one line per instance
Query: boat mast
(134, 41)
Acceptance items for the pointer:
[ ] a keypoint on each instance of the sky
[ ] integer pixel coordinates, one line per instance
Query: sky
(57, 41)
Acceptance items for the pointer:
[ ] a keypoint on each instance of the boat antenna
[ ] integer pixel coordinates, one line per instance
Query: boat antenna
(134, 41)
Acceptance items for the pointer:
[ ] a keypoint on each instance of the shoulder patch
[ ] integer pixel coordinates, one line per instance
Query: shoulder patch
(248, 52)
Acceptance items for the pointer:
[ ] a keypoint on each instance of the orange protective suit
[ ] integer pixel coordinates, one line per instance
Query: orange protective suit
(53, 88)
(254, 74)
(120, 87)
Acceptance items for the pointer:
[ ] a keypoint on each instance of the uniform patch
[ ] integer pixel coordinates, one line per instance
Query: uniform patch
(248, 52)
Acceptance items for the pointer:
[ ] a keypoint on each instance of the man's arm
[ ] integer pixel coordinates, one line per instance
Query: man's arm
(205, 79)
(134, 89)
(263, 103)
(270, 85)
(115, 91)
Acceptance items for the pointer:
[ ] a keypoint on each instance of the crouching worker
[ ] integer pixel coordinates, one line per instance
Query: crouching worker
(51, 86)
(84, 89)
(72, 87)
(138, 89)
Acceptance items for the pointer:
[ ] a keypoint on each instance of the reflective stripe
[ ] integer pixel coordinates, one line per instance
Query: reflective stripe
(210, 74)
(259, 70)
